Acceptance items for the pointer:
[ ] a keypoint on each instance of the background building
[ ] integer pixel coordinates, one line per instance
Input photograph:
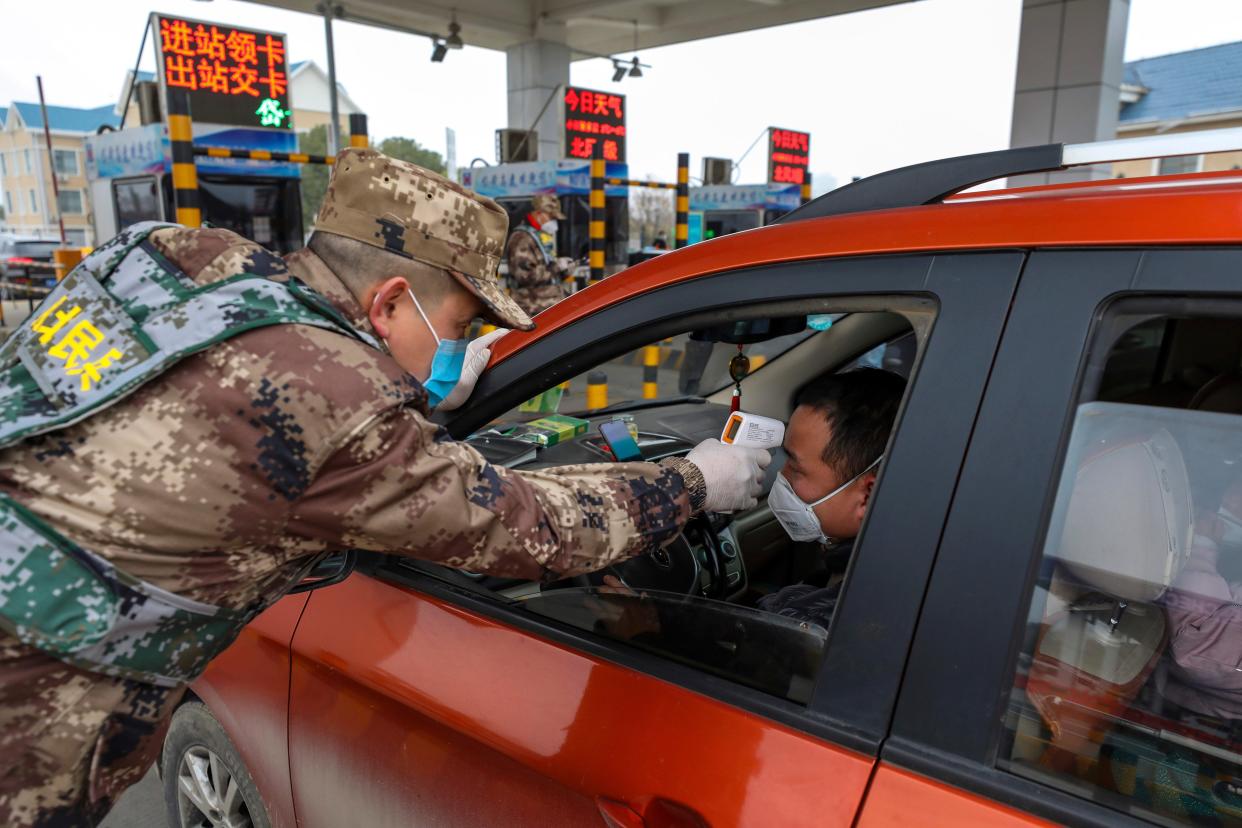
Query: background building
(1182, 92)
(26, 171)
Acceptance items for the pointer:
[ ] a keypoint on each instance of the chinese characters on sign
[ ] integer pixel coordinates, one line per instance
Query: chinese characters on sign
(594, 117)
(234, 76)
(788, 156)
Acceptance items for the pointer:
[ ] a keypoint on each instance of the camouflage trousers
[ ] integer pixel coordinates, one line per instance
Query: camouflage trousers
(72, 741)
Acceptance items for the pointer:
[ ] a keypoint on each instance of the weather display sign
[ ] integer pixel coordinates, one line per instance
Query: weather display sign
(234, 76)
(593, 118)
(789, 155)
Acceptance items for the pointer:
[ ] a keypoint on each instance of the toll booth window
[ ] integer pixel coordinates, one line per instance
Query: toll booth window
(137, 199)
(268, 211)
(1128, 688)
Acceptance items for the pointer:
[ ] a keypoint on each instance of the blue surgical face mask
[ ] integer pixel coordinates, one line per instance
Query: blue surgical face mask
(447, 363)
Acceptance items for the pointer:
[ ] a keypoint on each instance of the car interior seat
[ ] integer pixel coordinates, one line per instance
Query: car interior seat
(1222, 394)
(1124, 538)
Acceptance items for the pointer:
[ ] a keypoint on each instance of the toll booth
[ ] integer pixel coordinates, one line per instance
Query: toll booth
(720, 209)
(231, 85)
(130, 175)
(512, 186)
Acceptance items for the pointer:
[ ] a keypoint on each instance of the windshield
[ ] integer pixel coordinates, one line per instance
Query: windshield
(34, 249)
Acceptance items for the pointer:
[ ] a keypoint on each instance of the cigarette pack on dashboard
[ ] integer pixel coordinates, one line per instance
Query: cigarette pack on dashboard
(561, 427)
(549, 431)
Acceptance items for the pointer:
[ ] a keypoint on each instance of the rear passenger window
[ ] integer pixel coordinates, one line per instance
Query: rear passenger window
(1129, 683)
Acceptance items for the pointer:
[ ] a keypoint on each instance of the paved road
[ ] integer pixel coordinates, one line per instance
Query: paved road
(142, 806)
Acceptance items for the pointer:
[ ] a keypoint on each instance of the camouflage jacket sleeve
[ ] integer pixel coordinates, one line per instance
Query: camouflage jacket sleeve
(526, 265)
(403, 486)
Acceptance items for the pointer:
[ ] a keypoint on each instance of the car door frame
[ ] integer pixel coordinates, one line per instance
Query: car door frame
(870, 639)
(948, 723)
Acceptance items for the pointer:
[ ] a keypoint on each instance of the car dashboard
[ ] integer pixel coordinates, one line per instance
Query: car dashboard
(707, 560)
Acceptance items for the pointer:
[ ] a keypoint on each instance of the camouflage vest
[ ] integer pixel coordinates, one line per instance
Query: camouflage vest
(121, 318)
(546, 241)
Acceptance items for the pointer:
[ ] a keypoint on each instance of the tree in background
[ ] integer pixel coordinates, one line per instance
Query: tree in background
(315, 176)
(651, 212)
(407, 149)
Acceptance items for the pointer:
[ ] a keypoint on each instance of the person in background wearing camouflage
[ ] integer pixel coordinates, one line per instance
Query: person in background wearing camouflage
(535, 272)
(210, 486)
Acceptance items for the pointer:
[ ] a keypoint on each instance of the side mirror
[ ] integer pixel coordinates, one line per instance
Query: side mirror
(331, 570)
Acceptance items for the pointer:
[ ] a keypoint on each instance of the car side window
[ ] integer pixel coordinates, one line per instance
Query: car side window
(679, 366)
(1129, 682)
(733, 596)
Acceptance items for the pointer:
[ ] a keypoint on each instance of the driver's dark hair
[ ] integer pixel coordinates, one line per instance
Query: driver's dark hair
(860, 407)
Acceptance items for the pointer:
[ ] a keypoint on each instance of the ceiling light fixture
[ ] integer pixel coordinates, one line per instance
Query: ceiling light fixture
(635, 72)
(618, 70)
(438, 50)
(454, 40)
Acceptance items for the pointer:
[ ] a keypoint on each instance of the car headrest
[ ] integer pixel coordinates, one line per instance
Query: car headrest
(1127, 524)
(1222, 394)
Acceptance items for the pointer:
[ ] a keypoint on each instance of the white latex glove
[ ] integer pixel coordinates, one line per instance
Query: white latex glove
(565, 264)
(478, 352)
(733, 475)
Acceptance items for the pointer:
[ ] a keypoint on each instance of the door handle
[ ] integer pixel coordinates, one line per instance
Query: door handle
(658, 813)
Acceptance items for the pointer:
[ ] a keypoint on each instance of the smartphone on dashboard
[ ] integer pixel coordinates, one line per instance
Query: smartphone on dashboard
(617, 435)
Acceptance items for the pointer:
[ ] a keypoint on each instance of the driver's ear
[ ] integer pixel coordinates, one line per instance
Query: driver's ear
(865, 487)
(384, 305)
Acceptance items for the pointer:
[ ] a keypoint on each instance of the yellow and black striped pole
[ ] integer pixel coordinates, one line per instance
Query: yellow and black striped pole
(597, 214)
(651, 372)
(806, 188)
(597, 390)
(634, 182)
(682, 235)
(184, 173)
(263, 155)
(358, 130)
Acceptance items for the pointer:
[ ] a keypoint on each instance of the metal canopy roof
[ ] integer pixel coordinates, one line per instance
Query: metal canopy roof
(589, 27)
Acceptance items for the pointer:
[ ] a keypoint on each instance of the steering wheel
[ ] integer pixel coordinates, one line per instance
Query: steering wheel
(675, 568)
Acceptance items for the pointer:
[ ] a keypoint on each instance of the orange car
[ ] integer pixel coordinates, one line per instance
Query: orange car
(1020, 634)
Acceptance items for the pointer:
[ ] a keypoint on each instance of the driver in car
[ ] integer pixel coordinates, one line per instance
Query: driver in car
(833, 447)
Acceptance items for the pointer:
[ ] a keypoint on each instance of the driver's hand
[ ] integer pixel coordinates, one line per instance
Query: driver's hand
(733, 475)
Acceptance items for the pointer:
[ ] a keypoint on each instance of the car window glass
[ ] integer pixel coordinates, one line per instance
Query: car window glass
(896, 356)
(1129, 684)
(733, 594)
(35, 249)
(763, 650)
(665, 369)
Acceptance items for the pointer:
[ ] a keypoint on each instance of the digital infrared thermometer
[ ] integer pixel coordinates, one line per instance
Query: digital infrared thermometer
(752, 431)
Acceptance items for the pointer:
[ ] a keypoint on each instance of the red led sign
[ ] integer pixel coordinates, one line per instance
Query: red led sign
(234, 76)
(594, 117)
(789, 156)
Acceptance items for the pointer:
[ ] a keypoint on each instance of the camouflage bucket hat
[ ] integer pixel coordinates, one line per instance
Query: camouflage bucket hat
(549, 204)
(413, 212)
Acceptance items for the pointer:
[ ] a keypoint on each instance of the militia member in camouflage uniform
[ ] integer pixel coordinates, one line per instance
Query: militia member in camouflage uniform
(222, 477)
(537, 275)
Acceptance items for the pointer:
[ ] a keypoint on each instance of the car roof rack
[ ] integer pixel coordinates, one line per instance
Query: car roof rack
(933, 181)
